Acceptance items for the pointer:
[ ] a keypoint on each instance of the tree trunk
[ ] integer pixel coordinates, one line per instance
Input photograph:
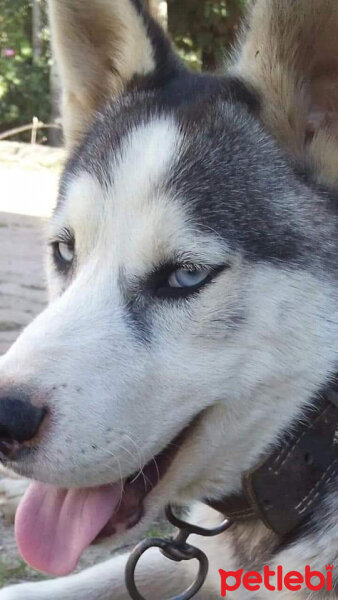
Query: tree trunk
(209, 60)
(54, 135)
(159, 10)
(36, 30)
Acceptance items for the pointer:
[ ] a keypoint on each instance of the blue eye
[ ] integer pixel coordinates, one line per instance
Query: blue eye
(188, 278)
(184, 281)
(66, 251)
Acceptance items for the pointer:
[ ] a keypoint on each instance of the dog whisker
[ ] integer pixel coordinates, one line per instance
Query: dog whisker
(140, 470)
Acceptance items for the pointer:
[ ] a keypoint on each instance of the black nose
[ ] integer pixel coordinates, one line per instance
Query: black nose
(19, 421)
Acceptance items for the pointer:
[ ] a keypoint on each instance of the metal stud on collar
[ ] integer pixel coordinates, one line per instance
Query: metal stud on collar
(176, 549)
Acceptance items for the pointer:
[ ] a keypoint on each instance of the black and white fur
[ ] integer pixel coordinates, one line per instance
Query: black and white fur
(167, 168)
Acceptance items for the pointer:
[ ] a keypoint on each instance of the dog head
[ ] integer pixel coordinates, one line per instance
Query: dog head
(190, 267)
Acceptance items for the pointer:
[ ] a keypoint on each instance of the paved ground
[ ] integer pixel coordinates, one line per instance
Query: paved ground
(22, 289)
(27, 197)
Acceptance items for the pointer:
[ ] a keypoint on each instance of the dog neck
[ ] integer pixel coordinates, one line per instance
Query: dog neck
(282, 490)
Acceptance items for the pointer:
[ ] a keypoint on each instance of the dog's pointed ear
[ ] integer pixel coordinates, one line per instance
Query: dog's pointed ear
(288, 53)
(101, 46)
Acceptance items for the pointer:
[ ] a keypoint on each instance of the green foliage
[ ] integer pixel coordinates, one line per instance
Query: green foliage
(203, 30)
(24, 82)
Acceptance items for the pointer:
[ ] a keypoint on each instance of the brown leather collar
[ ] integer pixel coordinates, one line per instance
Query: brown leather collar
(285, 486)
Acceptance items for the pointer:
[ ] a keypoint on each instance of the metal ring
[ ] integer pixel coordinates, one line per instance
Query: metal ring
(164, 545)
(195, 529)
(178, 551)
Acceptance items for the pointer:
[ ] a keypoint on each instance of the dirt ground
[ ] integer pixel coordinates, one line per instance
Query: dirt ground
(28, 191)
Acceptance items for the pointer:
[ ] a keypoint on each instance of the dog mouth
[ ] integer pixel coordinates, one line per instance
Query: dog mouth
(54, 526)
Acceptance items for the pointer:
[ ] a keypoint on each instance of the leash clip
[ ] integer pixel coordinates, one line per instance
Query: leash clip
(176, 549)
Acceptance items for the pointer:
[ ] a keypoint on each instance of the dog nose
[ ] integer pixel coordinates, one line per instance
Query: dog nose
(19, 422)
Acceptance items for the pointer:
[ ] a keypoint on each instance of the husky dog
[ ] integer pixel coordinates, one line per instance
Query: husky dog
(193, 296)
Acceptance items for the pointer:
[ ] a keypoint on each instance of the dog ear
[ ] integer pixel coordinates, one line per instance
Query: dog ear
(101, 47)
(288, 53)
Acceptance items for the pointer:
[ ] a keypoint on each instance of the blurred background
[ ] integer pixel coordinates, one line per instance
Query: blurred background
(203, 31)
(31, 158)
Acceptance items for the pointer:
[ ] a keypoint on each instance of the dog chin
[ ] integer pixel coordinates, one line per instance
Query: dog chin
(55, 525)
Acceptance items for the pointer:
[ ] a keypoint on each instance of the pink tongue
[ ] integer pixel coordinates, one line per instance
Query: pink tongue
(54, 526)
